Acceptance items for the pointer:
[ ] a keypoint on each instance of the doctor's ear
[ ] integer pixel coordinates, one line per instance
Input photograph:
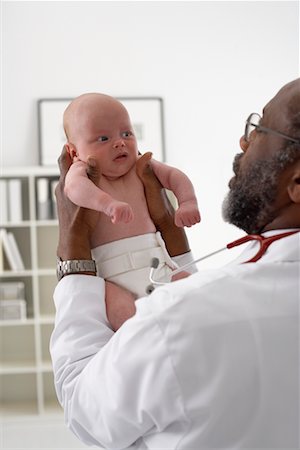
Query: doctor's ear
(71, 149)
(294, 185)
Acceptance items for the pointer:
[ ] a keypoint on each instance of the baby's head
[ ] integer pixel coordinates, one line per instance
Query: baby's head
(98, 125)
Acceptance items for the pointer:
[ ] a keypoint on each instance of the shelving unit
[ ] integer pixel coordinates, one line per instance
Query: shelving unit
(26, 377)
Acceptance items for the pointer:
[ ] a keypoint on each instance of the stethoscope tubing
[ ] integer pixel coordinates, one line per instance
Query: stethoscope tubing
(155, 263)
(264, 242)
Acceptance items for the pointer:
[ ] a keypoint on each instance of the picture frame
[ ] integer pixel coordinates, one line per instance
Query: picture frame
(146, 115)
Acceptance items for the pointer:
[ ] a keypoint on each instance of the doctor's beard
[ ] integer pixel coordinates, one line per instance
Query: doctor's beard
(248, 204)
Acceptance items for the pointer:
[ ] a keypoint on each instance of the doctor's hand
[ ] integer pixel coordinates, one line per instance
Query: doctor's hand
(160, 209)
(76, 224)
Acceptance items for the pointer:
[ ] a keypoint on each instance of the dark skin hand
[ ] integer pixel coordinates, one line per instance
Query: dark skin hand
(76, 226)
(160, 208)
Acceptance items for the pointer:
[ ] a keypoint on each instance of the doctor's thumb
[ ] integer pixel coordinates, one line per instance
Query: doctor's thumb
(93, 170)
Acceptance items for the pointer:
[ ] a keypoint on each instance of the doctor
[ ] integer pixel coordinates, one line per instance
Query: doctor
(211, 361)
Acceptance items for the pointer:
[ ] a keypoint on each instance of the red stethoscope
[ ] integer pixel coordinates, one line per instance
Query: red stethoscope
(264, 244)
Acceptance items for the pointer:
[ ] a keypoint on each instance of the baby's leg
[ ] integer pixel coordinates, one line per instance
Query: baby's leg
(120, 304)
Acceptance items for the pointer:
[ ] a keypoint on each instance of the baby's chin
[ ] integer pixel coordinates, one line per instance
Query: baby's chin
(119, 172)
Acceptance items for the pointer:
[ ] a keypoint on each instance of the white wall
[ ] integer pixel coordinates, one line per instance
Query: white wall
(212, 62)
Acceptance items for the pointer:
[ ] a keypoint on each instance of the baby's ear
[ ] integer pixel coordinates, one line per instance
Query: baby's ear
(71, 149)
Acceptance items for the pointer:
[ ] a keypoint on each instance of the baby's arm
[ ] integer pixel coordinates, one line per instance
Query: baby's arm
(83, 192)
(176, 181)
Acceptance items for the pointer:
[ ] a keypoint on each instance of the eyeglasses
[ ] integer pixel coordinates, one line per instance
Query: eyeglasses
(252, 123)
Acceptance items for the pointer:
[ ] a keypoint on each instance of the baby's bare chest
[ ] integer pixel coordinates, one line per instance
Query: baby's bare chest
(132, 193)
(129, 190)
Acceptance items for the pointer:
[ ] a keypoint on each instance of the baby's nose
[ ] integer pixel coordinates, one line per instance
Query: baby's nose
(119, 143)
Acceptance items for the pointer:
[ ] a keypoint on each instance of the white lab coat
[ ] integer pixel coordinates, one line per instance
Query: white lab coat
(208, 362)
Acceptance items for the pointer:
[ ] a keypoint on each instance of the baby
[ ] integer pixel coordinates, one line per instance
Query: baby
(125, 239)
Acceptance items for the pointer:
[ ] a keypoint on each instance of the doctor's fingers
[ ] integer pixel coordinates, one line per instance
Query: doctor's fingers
(93, 170)
(64, 163)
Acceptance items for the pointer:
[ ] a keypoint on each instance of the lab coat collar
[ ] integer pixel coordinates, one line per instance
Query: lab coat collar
(285, 249)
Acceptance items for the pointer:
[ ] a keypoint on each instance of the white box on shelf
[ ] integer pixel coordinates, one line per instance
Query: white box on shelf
(12, 310)
(12, 290)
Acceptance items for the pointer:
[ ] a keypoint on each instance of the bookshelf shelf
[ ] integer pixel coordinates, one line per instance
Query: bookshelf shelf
(47, 223)
(18, 368)
(23, 224)
(47, 320)
(16, 323)
(16, 273)
(26, 376)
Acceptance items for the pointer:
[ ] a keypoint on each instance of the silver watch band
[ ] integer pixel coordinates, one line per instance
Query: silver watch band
(73, 266)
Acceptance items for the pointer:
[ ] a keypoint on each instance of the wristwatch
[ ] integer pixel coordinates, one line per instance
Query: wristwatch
(74, 266)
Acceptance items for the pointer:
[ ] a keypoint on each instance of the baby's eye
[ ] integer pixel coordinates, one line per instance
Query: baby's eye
(102, 138)
(127, 133)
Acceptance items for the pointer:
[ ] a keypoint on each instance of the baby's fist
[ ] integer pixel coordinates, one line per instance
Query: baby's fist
(187, 214)
(120, 212)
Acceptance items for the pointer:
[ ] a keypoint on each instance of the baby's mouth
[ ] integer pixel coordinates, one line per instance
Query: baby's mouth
(121, 156)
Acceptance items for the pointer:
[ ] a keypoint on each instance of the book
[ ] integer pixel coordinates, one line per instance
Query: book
(7, 250)
(15, 207)
(16, 251)
(3, 201)
(1, 255)
(54, 183)
(43, 199)
(11, 250)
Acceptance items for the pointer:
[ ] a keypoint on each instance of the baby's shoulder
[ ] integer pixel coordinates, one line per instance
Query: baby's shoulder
(78, 167)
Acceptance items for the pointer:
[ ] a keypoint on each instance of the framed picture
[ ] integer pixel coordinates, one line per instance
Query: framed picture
(146, 115)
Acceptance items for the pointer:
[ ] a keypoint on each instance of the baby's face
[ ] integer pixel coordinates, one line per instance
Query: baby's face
(104, 131)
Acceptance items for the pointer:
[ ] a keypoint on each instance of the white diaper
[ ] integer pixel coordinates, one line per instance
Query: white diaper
(126, 262)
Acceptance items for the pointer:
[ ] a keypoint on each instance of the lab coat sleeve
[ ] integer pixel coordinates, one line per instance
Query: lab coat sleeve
(114, 387)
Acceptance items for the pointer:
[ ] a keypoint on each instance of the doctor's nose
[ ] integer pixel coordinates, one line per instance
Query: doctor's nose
(119, 143)
(244, 144)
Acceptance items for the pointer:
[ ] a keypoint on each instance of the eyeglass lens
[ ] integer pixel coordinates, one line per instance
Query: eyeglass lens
(251, 124)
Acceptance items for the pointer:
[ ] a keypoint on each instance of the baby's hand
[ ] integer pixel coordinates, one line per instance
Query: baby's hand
(119, 212)
(187, 214)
